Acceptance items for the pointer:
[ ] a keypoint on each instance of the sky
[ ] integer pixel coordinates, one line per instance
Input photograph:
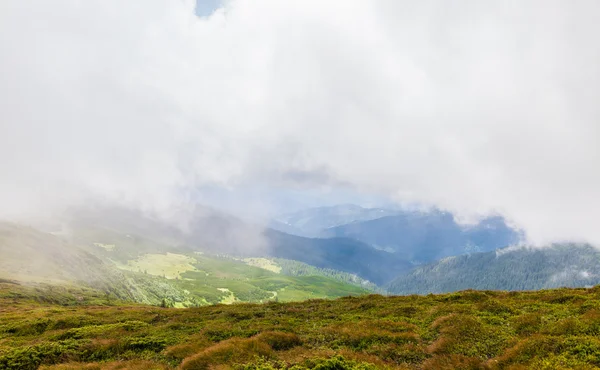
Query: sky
(474, 107)
(205, 8)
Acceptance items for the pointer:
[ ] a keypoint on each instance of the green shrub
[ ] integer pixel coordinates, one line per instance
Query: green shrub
(231, 351)
(558, 362)
(279, 341)
(31, 357)
(453, 362)
(222, 331)
(495, 307)
(34, 327)
(144, 344)
(467, 336)
(526, 350)
(190, 347)
(338, 363)
(527, 324)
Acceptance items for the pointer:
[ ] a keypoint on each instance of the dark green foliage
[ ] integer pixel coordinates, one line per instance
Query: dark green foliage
(30, 357)
(296, 268)
(341, 254)
(511, 269)
(280, 341)
(339, 363)
(145, 343)
(463, 330)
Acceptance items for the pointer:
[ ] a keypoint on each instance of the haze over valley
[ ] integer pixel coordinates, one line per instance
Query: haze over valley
(299, 184)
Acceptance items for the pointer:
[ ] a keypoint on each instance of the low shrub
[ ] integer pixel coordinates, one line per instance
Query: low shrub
(231, 351)
(31, 357)
(115, 365)
(453, 362)
(33, 327)
(528, 349)
(221, 331)
(334, 363)
(467, 336)
(363, 335)
(495, 307)
(192, 346)
(279, 341)
(527, 324)
(139, 344)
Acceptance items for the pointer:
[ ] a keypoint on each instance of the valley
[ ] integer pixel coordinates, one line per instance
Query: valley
(169, 275)
(133, 292)
(138, 258)
(289, 185)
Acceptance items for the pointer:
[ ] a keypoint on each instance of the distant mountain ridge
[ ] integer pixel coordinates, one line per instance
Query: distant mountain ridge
(95, 240)
(416, 236)
(426, 237)
(515, 268)
(312, 222)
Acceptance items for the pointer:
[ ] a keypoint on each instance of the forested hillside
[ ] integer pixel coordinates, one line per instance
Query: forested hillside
(516, 268)
(427, 236)
(296, 268)
(342, 254)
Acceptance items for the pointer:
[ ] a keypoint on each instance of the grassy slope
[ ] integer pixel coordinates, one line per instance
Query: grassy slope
(205, 280)
(551, 329)
(29, 255)
(214, 279)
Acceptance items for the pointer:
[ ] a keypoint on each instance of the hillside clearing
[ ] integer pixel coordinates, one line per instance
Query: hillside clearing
(263, 263)
(169, 265)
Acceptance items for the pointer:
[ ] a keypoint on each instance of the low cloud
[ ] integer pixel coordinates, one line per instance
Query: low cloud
(477, 107)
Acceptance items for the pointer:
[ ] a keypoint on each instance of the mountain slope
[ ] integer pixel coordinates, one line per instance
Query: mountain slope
(195, 229)
(173, 276)
(506, 269)
(30, 255)
(134, 234)
(342, 254)
(425, 237)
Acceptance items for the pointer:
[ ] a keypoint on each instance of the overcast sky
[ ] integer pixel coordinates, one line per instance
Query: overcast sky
(471, 106)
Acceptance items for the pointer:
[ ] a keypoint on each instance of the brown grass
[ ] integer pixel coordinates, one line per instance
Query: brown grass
(116, 365)
(230, 351)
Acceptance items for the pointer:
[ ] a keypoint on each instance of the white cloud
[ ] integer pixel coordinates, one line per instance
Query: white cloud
(472, 106)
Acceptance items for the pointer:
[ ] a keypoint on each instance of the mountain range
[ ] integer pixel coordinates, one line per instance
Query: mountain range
(206, 256)
(313, 222)
(415, 236)
(207, 230)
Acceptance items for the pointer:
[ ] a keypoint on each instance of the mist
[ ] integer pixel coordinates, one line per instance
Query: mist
(472, 107)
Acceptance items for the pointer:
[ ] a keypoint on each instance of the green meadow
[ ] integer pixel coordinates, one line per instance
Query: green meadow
(52, 327)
